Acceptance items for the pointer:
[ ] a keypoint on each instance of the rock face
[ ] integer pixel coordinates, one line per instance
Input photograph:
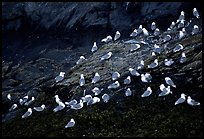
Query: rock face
(42, 58)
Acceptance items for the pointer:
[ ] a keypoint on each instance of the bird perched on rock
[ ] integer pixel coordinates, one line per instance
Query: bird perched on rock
(156, 32)
(133, 72)
(107, 39)
(146, 77)
(106, 56)
(134, 47)
(153, 26)
(94, 48)
(115, 75)
(40, 108)
(94, 100)
(60, 77)
(78, 105)
(183, 58)
(13, 107)
(192, 102)
(134, 33)
(81, 60)
(127, 80)
(195, 13)
(178, 48)
(82, 80)
(27, 114)
(147, 92)
(96, 91)
(105, 98)
(169, 82)
(168, 62)
(128, 92)
(165, 90)
(195, 30)
(117, 35)
(114, 85)
(9, 96)
(153, 64)
(182, 99)
(71, 123)
(96, 78)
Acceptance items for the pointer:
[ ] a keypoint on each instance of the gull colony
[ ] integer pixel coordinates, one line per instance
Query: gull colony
(146, 78)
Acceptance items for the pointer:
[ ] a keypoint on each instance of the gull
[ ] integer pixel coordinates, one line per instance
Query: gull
(94, 100)
(96, 91)
(127, 80)
(195, 30)
(156, 32)
(133, 72)
(117, 35)
(167, 38)
(181, 33)
(13, 107)
(183, 58)
(71, 123)
(172, 24)
(9, 96)
(57, 100)
(77, 106)
(60, 77)
(147, 92)
(86, 98)
(107, 39)
(60, 107)
(139, 30)
(30, 101)
(170, 82)
(168, 62)
(145, 32)
(134, 47)
(128, 92)
(182, 99)
(72, 102)
(146, 78)
(165, 90)
(96, 78)
(21, 101)
(153, 26)
(195, 13)
(94, 48)
(181, 24)
(153, 64)
(192, 102)
(114, 85)
(140, 65)
(40, 108)
(153, 54)
(82, 80)
(106, 56)
(115, 76)
(157, 49)
(178, 48)
(134, 33)
(81, 60)
(181, 17)
(28, 113)
(105, 98)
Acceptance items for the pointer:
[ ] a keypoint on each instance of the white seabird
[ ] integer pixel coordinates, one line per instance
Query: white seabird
(114, 85)
(134, 47)
(9, 96)
(13, 107)
(156, 32)
(96, 91)
(30, 101)
(140, 65)
(21, 101)
(195, 30)
(178, 48)
(72, 102)
(71, 123)
(81, 60)
(181, 34)
(153, 53)
(57, 99)
(146, 78)
(94, 48)
(182, 99)
(192, 102)
(139, 30)
(153, 64)
(181, 24)
(105, 98)
(181, 17)
(153, 26)
(86, 98)
(28, 113)
(134, 33)
(147, 92)
(168, 62)
(127, 80)
(107, 39)
(172, 25)
(60, 107)
(128, 92)
(106, 56)
(40, 108)
(117, 35)
(183, 58)
(157, 49)
(195, 13)
(165, 90)
(78, 105)
(167, 38)
(82, 80)
(133, 72)
(145, 32)
(115, 75)
(96, 78)
(170, 82)
(25, 98)
(94, 100)
(60, 77)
